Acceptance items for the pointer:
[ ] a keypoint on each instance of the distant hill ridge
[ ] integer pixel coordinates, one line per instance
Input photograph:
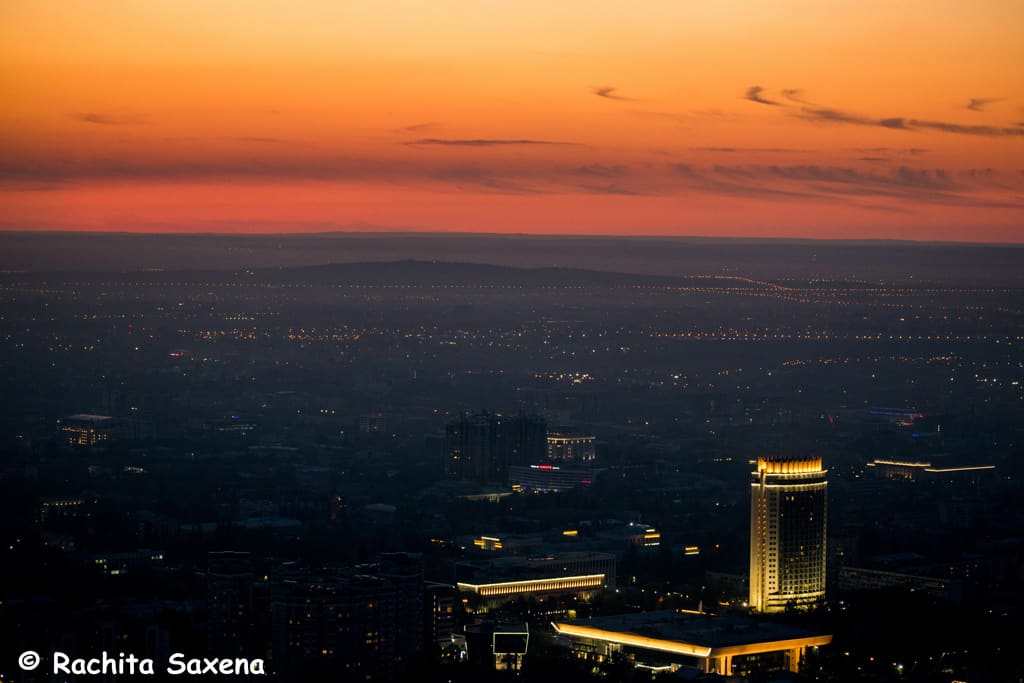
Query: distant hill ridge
(401, 273)
(776, 260)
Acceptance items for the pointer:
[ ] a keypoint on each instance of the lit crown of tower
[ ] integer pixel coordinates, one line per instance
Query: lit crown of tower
(783, 465)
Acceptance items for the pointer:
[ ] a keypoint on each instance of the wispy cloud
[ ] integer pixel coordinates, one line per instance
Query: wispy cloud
(837, 116)
(428, 125)
(843, 183)
(905, 185)
(824, 114)
(490, 179)
(754, 95)
(994, 131)
(901, 123)
(751, 150)
(979, 103)
(796, 95)
(254, 139)
(609, 93)
(913, 151)
(721, 182)
(611, 188)
(108, 119)
(483, 142)
(602, 171)
(900, 183)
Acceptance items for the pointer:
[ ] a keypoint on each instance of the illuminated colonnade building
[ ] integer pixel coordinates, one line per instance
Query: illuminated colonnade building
(517, 587)
(788, 544)
(508, 578)
(667, 641)
(925, 470)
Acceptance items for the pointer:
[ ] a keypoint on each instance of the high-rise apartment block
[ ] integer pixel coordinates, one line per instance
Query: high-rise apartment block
(788, 544)
(481, 447)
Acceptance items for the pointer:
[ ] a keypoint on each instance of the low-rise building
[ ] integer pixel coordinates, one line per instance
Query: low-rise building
(669, 641)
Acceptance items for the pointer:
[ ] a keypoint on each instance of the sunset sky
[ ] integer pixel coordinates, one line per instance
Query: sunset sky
(787, 118)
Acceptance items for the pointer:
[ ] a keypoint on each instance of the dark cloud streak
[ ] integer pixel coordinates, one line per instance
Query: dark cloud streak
(814, 112)
(979, 103)
(102, 119)
(840, 183)
(900, 123)
(429, 125)
(754, 95)
(611, 188)
(609, 93)
(482, 142)
(796, 95)
(757, 150)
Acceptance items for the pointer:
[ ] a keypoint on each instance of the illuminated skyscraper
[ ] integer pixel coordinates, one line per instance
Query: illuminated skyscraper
(788, 543)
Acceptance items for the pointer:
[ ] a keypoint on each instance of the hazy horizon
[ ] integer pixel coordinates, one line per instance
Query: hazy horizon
(974, 264)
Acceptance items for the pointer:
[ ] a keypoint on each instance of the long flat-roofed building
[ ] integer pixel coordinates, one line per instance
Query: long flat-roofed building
(788, 545)
(668, 641)
(925, 470)
(509, 578)
(546, 477)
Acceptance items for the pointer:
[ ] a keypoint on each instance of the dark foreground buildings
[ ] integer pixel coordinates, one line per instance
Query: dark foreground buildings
(483, 446)
(335, 623)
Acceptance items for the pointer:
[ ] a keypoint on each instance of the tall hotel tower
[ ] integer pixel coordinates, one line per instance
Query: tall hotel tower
(787, 534)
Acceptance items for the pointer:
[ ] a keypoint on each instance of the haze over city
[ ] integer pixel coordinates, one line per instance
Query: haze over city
(463, 342)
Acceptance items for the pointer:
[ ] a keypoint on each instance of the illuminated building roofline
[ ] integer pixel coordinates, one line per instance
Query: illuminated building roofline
(784, 599)
(632, 639)
(770, 646)
(975, 468)
(690, 649)
(781, 465)
(928, 467)
(559, 583)
(791, 487)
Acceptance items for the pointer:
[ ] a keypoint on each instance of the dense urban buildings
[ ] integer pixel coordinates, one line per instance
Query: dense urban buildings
(277, 480)
(788, 542)
(230, 603)
(483, 446)
(335, 623)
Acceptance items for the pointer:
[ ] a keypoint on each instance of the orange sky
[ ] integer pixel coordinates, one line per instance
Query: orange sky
(795, 118)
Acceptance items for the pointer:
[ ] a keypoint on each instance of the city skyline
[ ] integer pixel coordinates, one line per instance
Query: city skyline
(436, 471)
(789, 119)
(453, 342)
